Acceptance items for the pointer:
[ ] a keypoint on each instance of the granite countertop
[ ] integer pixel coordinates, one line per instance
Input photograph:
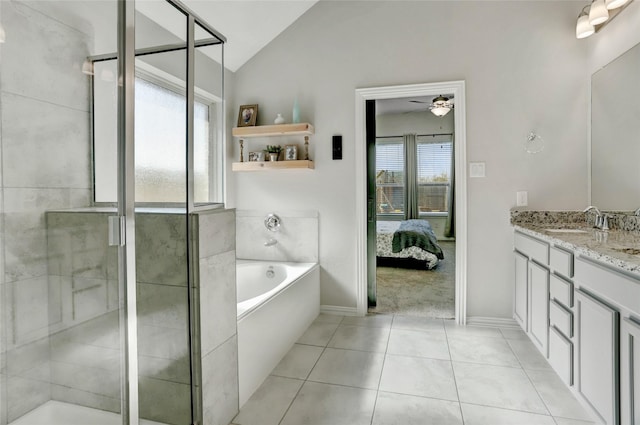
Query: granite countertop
(618, 248)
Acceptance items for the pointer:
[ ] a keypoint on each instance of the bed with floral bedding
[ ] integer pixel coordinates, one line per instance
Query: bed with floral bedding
(407, 243)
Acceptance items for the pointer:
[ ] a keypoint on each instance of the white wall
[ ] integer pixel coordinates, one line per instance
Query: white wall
(524, 70)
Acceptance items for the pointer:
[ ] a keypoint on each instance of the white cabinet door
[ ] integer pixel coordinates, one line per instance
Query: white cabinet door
(539, 306)
(520, 297)
(630, 372)
(597, 356)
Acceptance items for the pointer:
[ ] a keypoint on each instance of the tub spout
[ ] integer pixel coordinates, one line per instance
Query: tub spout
(270, 242)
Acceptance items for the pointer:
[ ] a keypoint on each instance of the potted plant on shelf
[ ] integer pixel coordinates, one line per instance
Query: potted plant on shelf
(274, 152)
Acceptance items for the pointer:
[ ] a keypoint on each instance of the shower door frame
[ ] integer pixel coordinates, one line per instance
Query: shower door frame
(124, 230)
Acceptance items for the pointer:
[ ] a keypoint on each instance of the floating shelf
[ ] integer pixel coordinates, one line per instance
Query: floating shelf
(272, 165)
(273, 130)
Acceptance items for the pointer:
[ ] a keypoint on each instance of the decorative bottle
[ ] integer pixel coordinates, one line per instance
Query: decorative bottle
(296, 112)
(279, 119)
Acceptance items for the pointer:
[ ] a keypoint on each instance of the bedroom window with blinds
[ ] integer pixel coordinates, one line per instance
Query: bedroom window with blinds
(431, 162)
(390, 180)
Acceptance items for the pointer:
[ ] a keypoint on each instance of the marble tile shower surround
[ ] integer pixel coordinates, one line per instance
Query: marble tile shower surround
(297, 237)
(616, 247)
(85, 356)
(45, 164)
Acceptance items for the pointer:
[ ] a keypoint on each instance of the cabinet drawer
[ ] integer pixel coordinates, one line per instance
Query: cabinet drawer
(533, 248)
(618, 287)
(561, 318)
(561, 291)
(561, 355)
(561, 261)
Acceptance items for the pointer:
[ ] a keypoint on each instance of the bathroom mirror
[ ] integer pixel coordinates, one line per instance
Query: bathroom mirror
(615, 134)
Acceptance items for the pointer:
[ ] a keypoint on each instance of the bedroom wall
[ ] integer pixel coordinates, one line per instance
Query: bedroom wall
(419, 123)
(524, 70)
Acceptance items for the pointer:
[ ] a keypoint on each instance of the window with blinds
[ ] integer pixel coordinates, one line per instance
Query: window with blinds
(433, 164)
(390, 180)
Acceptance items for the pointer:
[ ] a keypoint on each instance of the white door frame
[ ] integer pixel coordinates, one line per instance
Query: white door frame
(413, 90)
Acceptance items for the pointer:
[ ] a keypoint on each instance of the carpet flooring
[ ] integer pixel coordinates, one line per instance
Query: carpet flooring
(425, 293)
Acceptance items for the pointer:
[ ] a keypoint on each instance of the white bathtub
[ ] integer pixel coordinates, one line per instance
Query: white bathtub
(276, 303)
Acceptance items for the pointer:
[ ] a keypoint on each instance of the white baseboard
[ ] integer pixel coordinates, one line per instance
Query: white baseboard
(338, 310)
(492, 322)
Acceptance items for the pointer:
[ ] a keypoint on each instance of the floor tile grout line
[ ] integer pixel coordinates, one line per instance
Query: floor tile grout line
(535, 388)
(510, 410)
(324, 348)
(455, 381)
(384, 358)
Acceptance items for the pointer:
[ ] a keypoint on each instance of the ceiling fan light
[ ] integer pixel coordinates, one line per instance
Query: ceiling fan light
(598, 13)
(614, 4)
(440, 106)
(584, 28)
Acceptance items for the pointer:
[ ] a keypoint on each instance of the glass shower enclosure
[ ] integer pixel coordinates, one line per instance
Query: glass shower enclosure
(111, 139)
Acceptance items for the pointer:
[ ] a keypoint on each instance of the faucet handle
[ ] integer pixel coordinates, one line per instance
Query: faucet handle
(605, 222)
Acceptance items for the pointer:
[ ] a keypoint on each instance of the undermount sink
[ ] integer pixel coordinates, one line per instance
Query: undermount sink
(566, 230)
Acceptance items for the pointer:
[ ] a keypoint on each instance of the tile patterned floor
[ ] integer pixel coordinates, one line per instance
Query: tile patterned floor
(402, 370)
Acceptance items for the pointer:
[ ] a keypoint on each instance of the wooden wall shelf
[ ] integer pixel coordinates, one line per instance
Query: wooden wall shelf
(272, 165)
(273, 130)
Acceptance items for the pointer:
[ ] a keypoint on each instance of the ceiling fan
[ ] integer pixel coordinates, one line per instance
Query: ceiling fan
(439, 106)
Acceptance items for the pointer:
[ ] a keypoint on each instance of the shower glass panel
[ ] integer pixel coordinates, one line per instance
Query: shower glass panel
(60, 306)
(164, 354)
(68, 313)
(208, 129)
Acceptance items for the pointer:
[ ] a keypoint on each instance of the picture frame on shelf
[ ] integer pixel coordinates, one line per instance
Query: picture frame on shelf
(290, 152)
(247, 115)
(256, 156)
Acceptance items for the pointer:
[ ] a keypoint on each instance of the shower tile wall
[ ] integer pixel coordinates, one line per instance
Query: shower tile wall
(297, 237)
(216, 244)
(45, 164)
(85, 354)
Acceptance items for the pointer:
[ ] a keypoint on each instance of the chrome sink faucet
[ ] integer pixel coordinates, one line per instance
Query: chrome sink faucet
(637, 212)
(602, 220)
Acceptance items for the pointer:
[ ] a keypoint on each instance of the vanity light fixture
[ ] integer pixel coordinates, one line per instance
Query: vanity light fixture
(440, 106)
(598, 13)
(614, 4)
(584, 28)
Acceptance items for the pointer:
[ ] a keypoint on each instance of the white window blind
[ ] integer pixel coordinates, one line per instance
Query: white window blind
(434, 174)
(390, 171)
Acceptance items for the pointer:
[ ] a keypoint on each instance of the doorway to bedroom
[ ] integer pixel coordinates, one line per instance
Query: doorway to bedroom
(411, 181)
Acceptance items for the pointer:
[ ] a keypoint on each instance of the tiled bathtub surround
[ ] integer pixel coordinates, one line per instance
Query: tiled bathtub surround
(615, 247)
(297, 237)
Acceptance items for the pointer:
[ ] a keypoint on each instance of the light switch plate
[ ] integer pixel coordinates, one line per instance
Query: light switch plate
(522, 199)
(476, 169)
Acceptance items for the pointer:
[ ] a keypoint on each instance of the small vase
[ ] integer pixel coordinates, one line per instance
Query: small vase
(279, 119)
(296, 112)
(273, 156)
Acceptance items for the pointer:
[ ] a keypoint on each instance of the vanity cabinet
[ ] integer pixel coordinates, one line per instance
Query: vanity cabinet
(531, 294)
(597, 355)
(561, 317)
(630, 371)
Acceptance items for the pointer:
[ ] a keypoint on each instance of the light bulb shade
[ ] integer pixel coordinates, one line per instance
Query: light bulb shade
(614, 4)
(440, 106)
(598, 13)
(584, 28)
(3, 35)
(440, 111)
